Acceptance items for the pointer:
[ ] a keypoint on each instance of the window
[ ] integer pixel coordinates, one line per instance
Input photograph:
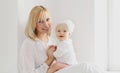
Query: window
(114, 35)
(107, 34)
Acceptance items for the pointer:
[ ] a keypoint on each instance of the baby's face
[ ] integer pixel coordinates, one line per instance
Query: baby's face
(62, 32)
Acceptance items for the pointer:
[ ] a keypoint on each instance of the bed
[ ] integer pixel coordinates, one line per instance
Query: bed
(81, 68)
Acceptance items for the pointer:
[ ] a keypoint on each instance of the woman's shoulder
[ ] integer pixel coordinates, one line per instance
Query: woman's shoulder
(27, 45)
(28, 41)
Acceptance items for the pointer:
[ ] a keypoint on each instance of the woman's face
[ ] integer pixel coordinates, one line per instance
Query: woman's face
(62, 32)
(44, 25)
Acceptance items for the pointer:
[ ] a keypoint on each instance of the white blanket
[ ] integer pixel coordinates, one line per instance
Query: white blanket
(81, 68)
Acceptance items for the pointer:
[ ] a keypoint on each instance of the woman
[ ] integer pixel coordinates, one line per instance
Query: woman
(35, 54)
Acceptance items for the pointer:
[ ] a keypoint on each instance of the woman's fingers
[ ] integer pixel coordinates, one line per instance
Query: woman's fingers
(53, 47)
(51, 50)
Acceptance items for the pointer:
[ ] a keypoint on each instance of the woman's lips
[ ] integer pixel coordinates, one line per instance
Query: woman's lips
(45, 29)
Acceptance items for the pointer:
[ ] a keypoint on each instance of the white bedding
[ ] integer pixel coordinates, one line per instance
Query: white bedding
(81, 68)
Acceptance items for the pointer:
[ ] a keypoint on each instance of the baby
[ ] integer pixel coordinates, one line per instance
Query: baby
(64, 54)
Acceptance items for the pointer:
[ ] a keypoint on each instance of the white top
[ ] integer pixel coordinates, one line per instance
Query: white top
(32, 57)
(65, 52)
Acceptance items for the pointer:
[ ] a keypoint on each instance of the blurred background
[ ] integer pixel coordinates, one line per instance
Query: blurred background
(96, 37)
(81, 12)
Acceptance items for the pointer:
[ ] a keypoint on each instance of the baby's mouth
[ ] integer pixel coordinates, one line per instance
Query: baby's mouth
(61, 36)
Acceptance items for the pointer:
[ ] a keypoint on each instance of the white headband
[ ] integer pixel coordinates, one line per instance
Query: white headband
(69, 24)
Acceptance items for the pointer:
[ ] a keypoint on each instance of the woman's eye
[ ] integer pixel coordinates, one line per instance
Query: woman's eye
(47, 19)
(40, 21)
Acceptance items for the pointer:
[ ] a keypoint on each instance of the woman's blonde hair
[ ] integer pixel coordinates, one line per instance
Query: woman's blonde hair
(37, 13)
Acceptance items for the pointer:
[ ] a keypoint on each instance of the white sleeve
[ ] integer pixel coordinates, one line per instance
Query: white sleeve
(27, 61)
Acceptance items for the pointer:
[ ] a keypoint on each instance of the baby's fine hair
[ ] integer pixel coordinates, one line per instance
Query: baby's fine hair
(69, 24)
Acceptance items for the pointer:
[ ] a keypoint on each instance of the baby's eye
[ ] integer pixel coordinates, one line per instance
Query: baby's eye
(58, 30)
(64, 30)
(47, 19)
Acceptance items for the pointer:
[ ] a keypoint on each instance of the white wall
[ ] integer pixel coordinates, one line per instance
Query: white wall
(101, 32)
(8, 36)
(24, 7)
(80, 11)
(82, 14)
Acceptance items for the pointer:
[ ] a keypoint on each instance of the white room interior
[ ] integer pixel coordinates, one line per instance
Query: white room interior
(81, 12)
(90, 37)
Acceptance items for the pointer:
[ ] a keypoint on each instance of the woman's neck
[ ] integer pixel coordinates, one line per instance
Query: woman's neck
(43, 37)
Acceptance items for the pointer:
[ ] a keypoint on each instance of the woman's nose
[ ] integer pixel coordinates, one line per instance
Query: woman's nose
(46, 24)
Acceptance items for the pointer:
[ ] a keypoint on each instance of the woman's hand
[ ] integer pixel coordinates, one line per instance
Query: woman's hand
(50, 52)
(59, 65)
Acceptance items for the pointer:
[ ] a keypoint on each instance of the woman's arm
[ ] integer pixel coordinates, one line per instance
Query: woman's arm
(50, 51)
(57, 66)
(49, 61)
(27, 60)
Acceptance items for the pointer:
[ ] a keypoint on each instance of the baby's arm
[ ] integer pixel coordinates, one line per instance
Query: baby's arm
(57, 66)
